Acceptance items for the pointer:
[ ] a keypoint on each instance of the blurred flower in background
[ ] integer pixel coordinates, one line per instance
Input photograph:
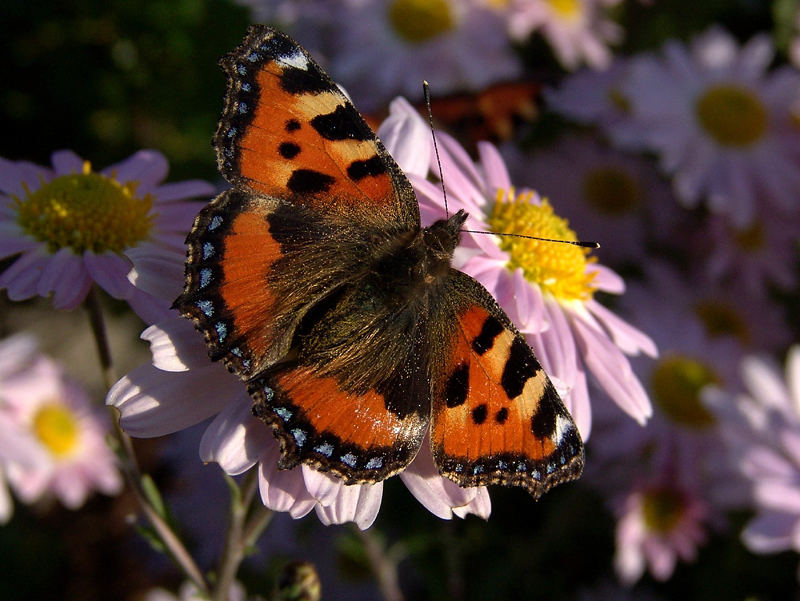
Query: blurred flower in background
(577, 30)
(53, 441)
(71, 226)
(616, 198)
(762, 429)
(723, 125)
(659, 523)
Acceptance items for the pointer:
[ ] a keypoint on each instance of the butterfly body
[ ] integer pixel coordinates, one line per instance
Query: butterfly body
(314, 281)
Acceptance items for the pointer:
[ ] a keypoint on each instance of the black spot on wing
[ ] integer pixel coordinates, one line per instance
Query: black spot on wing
(311, 80)
(543, 422)
(308, 181)
(457, 386)
(501, 416)
(358, 170)
(479, 414)
(292, 125)
(485, 340)
(344, 123)
(520, 366)
(288, 150)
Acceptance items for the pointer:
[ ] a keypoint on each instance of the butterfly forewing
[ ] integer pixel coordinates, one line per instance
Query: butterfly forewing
(287, 130)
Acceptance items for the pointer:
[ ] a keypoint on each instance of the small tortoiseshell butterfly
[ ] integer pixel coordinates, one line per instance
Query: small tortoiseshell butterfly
(313, 280)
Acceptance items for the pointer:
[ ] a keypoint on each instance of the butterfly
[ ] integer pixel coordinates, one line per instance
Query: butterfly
(495, 113)
(313, 280)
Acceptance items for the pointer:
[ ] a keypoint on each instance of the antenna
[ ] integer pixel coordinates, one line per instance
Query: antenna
(427, 95)
(581, 243)
(426, 92)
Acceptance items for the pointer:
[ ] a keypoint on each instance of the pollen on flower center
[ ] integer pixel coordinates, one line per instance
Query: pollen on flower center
(611, 191)
(85, 211)
(662, 509)
(732, 115)
(420, 20)
(676, 382)
(557, 268)
(56, 428)
(567, 9)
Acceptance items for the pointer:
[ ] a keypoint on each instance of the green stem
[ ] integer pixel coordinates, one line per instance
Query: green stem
(242, 533)
(128, 463)
(96, 320)
(383, 563)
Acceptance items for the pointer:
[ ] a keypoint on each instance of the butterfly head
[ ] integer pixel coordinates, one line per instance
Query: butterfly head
(443, 236)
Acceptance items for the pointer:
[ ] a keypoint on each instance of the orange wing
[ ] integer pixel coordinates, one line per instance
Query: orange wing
(288, 131)
(496, 417)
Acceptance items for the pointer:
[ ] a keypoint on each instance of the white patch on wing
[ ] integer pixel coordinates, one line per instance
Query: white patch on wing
(297, 60)
(563, 425)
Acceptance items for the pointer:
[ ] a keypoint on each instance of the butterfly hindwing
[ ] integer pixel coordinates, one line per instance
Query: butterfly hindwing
(354, 398)
(496, 417)
(288, 131)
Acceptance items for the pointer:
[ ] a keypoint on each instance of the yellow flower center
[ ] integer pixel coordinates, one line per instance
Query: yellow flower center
(566, 9)
(662, 509)
(732, 115)
(721, 319)
(677, 381)
(85, 211)
(56, 427)
(611, 191)
(420, 20)
(559, 269)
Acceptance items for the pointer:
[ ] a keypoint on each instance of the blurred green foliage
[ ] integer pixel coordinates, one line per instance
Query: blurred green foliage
(108, 78)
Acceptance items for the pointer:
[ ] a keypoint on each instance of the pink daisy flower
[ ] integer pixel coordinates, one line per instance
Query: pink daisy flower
(762, 426)
(71, 226)
(545, 288)
(182, 388)
(658, 524)
(65, 453)
(577, 30)
(723, 126)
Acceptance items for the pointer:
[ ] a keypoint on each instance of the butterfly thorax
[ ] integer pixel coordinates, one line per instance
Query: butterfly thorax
(410, 263)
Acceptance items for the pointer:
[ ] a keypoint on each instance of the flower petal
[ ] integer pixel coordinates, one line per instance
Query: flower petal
(177, 346)
(358, 503)
(157, 271)
(148, 167)
(235, 439)
(407, 138)
(66, 162)
(437, 494)
(110, 271)
(154, 402)
(282, 490)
